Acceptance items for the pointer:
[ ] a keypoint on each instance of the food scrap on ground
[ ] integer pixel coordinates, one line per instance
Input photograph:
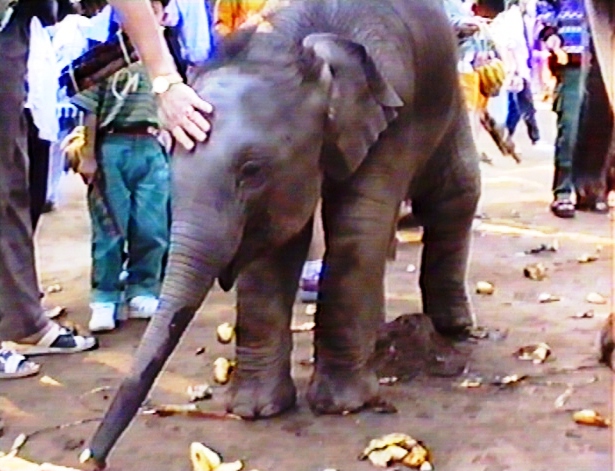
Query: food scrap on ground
(584, 315)
(305, 327)
(535, 353)
(548, 298)
(225, 333)
(188, 410)
(595, 298)
(554, 247)
(587, 258)
(535, 271)
(206, 459)
(590, 417)
(223, 368)
(49, 381)
(484, 287)
(397, 448)
(200, 392)
(310, 309)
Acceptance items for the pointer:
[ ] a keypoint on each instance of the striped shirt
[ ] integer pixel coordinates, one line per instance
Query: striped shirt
(122, 100)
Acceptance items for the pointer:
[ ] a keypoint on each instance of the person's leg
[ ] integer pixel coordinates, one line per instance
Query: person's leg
(21, 315)
(568, 107)
(38, 155)
(528, 111)
(109, 206)
(148, 176)
(514, 114)
(56, 170)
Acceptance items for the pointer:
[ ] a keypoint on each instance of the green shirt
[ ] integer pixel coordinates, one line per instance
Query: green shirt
(122, 100)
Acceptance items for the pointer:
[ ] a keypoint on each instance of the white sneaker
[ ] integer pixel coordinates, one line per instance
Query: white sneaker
(142, 307)
(103, 317)
(544, 146)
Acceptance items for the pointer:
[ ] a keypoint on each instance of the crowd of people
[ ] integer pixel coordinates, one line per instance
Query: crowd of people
(509, 57)
(548, 55)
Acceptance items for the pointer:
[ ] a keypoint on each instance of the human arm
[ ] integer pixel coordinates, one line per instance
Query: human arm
(180, 107)
(87, 164)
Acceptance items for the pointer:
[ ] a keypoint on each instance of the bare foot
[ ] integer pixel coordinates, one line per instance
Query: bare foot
(342, 392)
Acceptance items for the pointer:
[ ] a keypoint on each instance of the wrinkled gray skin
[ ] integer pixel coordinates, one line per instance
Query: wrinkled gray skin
(357, 101)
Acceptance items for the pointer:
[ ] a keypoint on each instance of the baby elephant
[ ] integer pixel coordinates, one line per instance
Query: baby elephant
(353, 101)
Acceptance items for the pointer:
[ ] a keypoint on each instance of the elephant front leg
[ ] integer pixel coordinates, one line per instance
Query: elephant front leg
(351, 305)
(262, 386)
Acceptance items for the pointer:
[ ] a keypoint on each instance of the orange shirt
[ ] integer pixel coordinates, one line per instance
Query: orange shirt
(229, 15)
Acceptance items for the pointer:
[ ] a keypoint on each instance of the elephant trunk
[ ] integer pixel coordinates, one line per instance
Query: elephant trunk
(191, 274)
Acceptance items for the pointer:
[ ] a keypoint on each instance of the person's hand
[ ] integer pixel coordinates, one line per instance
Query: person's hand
(87, 168)
(465, 30)
(253, 20)
(181, 112)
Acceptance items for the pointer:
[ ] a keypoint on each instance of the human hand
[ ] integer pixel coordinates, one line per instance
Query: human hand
(181, 112)
(87, 168)
(253, 20)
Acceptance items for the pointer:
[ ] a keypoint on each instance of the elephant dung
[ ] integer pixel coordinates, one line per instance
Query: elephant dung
(409, 346)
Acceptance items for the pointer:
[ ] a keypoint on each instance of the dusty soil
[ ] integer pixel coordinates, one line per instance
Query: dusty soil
(487, 428)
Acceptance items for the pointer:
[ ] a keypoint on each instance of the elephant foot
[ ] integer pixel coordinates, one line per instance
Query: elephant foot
(335, 392)
(452, 321)
(257, 396)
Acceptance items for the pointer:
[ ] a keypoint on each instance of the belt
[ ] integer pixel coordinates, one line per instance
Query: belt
(134, 130)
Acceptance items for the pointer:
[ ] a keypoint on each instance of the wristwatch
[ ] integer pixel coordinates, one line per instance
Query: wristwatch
(162, 83)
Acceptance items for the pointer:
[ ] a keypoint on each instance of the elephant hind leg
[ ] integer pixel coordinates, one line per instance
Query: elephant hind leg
(262, 386)
(446, 211)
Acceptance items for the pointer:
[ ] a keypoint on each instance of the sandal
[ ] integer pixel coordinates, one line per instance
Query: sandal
(563, 208)
(13, 365)
(58, 340)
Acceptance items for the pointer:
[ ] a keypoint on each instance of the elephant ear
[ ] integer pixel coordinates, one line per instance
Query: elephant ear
(361, 102)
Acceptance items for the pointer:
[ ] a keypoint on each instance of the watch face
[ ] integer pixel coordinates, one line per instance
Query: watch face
(160, 85)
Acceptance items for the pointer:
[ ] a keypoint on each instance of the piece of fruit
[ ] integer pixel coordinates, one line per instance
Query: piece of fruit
(595, 298)
(590, 417)
(222, 370)
(203, 458)
(225, 333)
(535, 271)
(535, 353)
(484, 287)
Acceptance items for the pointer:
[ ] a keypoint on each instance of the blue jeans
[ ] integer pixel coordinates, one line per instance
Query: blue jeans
(521, 105)
(136, 190)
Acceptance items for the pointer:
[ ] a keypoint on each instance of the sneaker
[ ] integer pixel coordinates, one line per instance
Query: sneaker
(310, 278)
(544, 146)
(103, 317)
(142, 307)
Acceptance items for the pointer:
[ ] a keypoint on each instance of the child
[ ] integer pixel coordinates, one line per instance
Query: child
(129, 183)
(231, 15)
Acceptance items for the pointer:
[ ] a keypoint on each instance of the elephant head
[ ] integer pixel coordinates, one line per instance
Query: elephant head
(256, 182)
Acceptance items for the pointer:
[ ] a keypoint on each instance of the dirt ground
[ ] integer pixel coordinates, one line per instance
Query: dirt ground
(482, 429)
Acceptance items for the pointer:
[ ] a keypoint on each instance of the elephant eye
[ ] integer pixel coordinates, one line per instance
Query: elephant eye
(250, 169)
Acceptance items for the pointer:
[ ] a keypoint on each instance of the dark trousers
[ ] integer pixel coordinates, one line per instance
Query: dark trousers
(38, 156)
(521, 105)
(593, 140)
(21, 314)
(567, 106)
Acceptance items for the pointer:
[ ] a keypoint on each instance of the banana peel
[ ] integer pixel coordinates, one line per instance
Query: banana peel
(11, 462)
(205, 459)
(397, 448)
